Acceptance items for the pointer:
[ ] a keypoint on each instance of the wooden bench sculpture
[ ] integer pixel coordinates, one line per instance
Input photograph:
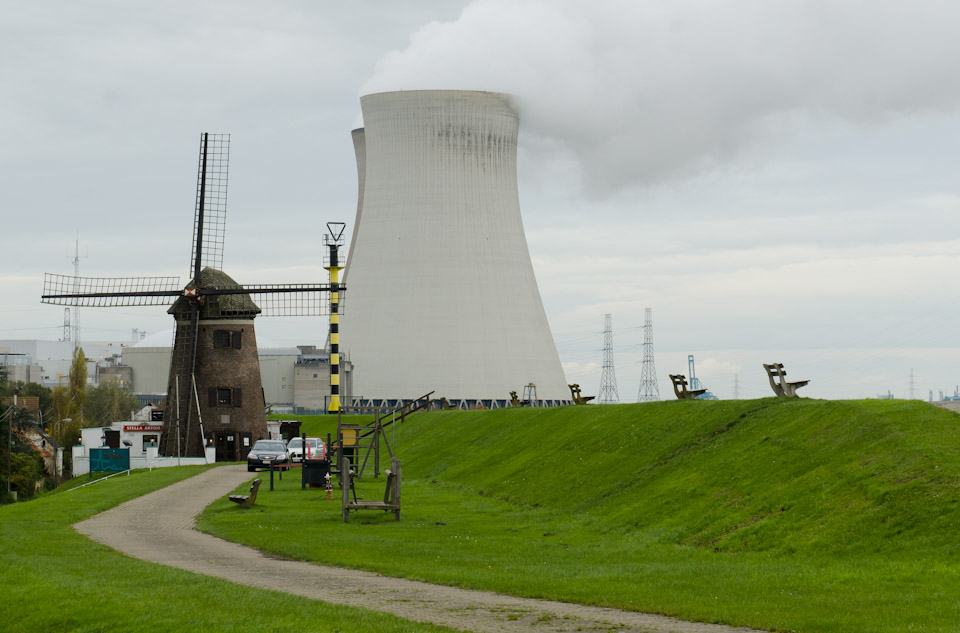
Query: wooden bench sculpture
(246, 501)
(515, 401)
(391, 497)
(680, 388)
(781, 387)
(578, 398)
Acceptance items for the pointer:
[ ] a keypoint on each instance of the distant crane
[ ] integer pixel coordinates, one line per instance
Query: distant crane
(695, 382)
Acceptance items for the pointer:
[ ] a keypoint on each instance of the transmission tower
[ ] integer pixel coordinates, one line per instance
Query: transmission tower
(736, 386)
(66, 325)
(649, 391)
(608, 379)
(912, 383)
(76, 274)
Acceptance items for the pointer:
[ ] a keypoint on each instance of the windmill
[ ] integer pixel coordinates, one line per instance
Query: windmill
(214, 394)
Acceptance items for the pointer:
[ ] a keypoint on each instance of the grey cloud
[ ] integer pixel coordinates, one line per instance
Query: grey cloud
(643, 92)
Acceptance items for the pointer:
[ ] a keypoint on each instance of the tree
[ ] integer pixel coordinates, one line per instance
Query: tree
(36, 390)
(25, 472)
(62, 408)
(109, 402)
(18, 458)
(78, 381)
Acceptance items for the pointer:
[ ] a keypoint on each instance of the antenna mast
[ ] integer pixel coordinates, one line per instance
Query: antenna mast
(608, 379)
(649, 391)
(76, 289)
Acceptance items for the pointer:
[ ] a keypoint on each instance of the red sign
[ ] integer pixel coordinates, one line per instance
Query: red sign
(152, 428)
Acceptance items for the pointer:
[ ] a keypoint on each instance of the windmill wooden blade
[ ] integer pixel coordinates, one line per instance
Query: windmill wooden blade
(102, 292)
(210, 214)
(288, 299)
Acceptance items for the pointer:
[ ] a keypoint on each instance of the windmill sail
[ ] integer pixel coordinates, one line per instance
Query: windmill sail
(102, 292)
(210, 213)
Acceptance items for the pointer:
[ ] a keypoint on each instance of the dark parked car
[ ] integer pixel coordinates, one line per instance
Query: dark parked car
(266, 452)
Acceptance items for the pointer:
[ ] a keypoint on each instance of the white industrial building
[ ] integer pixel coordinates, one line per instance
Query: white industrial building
(442, 293)
(294, 378)
(48, 362)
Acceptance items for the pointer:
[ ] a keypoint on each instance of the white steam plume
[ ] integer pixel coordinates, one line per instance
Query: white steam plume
(640, 92)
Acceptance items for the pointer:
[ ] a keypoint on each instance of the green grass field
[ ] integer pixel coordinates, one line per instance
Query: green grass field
(54, 579)
(796, 515)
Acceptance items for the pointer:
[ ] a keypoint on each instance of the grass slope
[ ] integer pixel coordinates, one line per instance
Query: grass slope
(319, 425)
(54, 579)
(791, 515)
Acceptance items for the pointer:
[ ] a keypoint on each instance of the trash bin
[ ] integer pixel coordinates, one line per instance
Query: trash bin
(315, 472)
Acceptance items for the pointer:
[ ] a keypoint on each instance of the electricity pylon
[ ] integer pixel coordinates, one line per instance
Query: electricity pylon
(649, 391)
(608, 379)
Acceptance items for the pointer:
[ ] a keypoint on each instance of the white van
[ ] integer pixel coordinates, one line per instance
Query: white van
(316, 449)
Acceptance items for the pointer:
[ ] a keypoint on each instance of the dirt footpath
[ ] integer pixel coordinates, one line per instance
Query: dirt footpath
(158, 527)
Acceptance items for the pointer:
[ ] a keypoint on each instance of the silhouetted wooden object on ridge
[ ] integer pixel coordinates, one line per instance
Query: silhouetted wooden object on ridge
(578, 398)
(680, 388)
(781, 387)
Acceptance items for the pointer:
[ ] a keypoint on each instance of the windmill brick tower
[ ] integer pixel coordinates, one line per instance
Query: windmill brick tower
(225, 374)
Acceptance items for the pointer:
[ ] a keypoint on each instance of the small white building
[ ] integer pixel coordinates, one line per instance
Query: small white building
(142, 439)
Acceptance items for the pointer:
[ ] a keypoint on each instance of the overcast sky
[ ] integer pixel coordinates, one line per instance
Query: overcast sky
(778, 181)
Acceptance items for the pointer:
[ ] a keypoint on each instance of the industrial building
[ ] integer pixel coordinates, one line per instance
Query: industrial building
(295, 379)
(441, 289)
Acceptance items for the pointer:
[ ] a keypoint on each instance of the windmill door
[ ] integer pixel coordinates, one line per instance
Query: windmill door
(226, 444)
(246, 443)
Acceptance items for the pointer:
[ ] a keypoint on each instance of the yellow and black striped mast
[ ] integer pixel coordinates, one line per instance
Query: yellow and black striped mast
(333, 241)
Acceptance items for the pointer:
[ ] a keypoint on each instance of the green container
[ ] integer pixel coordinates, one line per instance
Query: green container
(103, 460)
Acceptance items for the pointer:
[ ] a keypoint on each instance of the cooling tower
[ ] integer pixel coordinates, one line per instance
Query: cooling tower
(441, 291)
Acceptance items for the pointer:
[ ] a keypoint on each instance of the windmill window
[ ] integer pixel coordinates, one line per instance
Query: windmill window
(225, 397)
(227, 338)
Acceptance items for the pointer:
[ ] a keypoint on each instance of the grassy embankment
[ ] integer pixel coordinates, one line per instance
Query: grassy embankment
(791, 515)
(54, 579)
(320, 425)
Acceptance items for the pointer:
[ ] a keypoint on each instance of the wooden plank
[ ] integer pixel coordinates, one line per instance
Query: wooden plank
(371, 505)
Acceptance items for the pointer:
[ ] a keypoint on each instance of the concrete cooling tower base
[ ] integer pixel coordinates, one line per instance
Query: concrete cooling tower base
(441, 290)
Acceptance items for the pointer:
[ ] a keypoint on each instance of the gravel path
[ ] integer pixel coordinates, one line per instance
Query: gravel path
(158, 527)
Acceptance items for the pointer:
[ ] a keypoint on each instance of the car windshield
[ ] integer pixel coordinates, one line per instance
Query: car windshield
(268, 446)
(295, 443)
